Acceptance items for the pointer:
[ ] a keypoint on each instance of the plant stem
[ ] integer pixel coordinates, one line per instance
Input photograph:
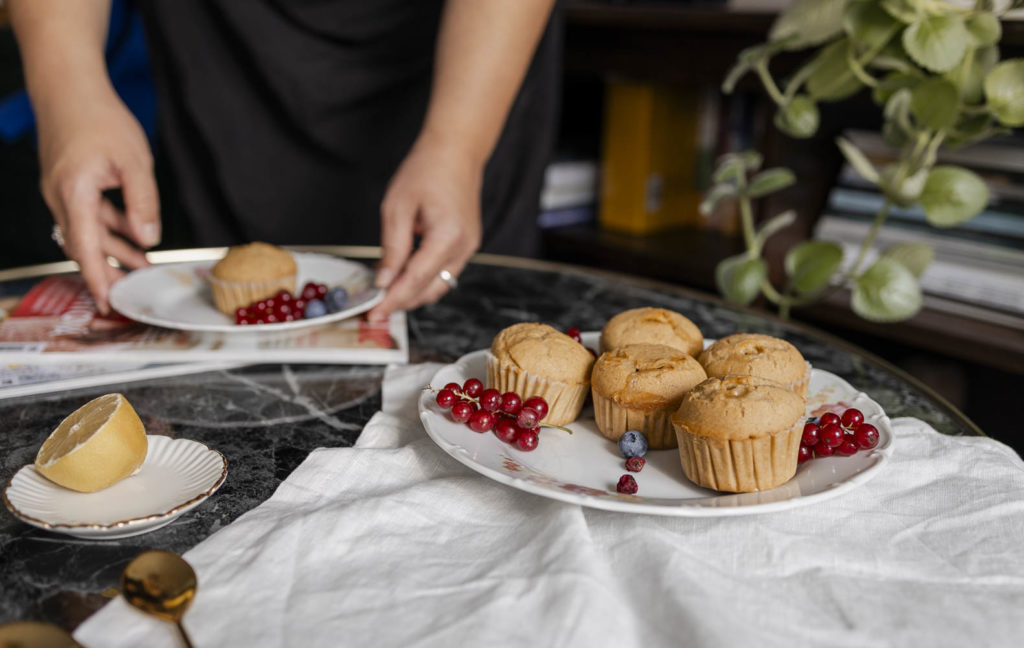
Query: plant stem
(769, 83)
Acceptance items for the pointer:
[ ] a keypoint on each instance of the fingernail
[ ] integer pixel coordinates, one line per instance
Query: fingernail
(150, 234)
(384, 277)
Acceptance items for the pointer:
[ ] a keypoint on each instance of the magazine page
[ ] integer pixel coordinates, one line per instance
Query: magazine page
(57, 322)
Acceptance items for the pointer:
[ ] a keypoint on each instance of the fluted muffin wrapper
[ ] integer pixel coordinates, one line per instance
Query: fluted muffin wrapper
(740, 466)
(564, 401)
(229, 296)
(613, 420)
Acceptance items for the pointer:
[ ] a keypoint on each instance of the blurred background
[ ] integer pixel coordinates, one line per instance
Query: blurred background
(643, 120)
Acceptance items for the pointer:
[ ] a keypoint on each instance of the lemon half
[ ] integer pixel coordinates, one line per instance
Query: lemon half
(96, 446)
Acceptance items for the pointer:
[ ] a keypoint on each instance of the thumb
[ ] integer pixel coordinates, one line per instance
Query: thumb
(397, 218)
(142, 204)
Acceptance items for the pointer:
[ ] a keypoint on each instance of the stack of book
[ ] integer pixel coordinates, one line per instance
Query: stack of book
(979, 265)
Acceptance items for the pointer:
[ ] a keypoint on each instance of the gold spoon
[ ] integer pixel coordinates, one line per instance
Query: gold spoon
(34, 634)
(160, 583)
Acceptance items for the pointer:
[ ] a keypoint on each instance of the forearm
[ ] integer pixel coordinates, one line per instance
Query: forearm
(484, 48)
(61, 44)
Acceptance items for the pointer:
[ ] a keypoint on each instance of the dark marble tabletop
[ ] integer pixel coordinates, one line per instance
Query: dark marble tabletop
(265, 419)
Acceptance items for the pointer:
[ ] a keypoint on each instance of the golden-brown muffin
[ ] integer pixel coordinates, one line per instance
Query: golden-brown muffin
(537, 360)
(753, 354)
(652, 326)
(249, 273)
(739, 433)
(639, 387)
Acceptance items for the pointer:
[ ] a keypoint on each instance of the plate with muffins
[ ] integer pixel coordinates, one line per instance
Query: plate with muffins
(722, 422)
(206, 295)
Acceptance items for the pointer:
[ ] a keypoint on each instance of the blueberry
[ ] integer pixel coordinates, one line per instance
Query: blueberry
(315, 308)
(336, 299)
(633, 444)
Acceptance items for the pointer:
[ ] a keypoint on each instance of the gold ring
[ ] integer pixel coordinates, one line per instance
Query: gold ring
(57, 234)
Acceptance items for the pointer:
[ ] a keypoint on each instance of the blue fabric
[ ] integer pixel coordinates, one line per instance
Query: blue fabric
(128, 66)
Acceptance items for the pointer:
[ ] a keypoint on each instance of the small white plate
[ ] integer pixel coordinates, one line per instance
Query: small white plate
(177, 476)
(583, 468)
(177, 295)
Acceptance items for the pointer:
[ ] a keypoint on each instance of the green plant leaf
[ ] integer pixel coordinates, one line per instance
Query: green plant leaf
(904, 192)
(806, 23)
(811, 264)
(970, 75)
(973, 128)
(715, 195)
(891, 83)
(886, 292)
(732, 165)
(799, 118)
(739, 278)
(936, 42)
(774, 224)
(868, 25)
(832, 79)
(952, 195)
(905, 11)
(935, 103)
(769, 181)
(1004, 91)
(984, 29)
(860, 162)
(915, 257)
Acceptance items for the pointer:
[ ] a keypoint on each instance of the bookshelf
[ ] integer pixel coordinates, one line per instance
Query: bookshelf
(694, 45)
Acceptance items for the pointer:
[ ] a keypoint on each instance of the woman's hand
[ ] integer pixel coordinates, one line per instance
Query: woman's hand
(86, 148)
(435, 194)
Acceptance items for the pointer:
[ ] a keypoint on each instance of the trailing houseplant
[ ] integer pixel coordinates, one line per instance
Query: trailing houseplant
(934, 70)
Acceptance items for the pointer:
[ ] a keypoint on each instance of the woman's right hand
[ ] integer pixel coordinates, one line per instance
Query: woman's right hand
(87, 147)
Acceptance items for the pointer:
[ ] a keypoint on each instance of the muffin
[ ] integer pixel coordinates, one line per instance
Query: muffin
(538, 360)
(752, 354)
(652, 326)
(249, 273)
(638, 387)
(739, 433)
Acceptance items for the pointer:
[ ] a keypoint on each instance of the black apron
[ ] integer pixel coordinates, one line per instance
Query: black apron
(284, 120)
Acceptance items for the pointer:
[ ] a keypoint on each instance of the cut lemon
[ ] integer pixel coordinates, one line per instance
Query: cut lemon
(96, 446)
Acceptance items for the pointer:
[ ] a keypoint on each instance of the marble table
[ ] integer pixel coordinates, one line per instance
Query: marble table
(266, 418)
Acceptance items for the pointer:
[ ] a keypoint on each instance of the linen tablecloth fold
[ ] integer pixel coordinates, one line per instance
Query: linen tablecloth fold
(394, 543)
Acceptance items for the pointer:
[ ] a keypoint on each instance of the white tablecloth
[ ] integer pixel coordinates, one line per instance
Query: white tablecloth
(393, 543)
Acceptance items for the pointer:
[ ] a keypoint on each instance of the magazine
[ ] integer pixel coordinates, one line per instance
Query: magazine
(53, 338)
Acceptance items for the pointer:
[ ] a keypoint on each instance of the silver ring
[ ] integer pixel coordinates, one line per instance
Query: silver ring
(57, 234)
(449, 279)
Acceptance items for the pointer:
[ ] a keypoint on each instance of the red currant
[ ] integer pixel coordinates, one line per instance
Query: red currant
(472, 387)
(284, 297)
(822, 449)
(537, 404)
(455, 387)
(260, 306)
(446, 398)
(852, 418)
(574, 333)
(462, 410)
(848, 447)
(506, 430)
(829, 418)
(511, 403)
(626, 485)
(309, 291)
(866, 436)
(481, 421)
(271, 318)
(635, 464)
(242, 316)
(805, 454)
(810, 436)
(527, 440)
(527, 418)
(490, 400)
(831, 434)
(321, 290)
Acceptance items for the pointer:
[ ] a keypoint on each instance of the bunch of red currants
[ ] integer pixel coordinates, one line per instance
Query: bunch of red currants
(832, 434)
(512, 419)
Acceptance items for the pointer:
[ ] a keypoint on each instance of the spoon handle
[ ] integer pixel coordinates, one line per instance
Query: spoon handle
(184, 635)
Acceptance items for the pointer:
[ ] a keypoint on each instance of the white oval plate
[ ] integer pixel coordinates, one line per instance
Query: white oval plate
(584, 467)
(177, 296)
(177, 476)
